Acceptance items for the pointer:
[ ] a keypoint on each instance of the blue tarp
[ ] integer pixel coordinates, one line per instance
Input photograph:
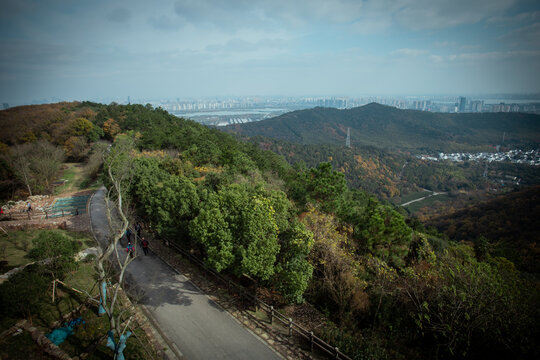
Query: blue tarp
(58, 336)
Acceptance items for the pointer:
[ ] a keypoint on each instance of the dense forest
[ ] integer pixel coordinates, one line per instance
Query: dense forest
(406, 130)
(389, 288)
(504, 226)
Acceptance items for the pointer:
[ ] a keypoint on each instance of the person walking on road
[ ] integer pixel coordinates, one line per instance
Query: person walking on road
(128, 234)
(138, 229)
(144, 244)
(129, 248)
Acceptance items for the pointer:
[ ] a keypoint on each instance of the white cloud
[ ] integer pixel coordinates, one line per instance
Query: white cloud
(370, 26)
(436, 58)
(470, 47)
(240, 45)
(444, 43)
(408, 52)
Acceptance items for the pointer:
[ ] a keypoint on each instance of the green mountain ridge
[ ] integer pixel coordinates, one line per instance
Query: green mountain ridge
(391, 128)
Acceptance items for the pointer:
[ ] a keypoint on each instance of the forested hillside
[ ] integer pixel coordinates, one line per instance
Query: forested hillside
(389, 289)
(504, 226)
(391, 175)
(391, 128)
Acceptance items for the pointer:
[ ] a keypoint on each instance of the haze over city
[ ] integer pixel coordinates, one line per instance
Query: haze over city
(93, 50)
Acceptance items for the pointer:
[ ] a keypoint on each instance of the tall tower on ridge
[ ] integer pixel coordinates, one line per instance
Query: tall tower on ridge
(348, 141)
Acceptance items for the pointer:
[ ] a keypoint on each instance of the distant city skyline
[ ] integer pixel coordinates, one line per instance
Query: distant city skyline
(94, 50)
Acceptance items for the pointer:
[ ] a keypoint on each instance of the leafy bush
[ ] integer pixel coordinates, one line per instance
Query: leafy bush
(58, 248)
(21, 295)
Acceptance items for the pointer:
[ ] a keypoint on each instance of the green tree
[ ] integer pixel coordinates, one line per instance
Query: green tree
(245, 225)
(384, 233)
(169, 201)
(58, 250)
(325, 185)
(294, 270)
(211, 229)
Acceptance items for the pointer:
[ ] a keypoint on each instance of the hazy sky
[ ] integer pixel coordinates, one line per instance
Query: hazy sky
(190, 48)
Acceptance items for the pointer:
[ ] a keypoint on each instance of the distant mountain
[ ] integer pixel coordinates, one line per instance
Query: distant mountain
(391, 128)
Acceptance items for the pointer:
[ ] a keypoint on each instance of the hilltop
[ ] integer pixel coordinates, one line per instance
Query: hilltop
(391, 128)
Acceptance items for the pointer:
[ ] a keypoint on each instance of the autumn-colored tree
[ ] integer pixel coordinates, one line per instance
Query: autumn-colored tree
(35, 164)
(86, 113)
(336, 271)
(76, 147)
(111, 128)
(81, 127)
(464, 304)
(28, 137)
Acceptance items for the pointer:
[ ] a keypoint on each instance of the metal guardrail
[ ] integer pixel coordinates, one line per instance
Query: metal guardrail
(313, 340)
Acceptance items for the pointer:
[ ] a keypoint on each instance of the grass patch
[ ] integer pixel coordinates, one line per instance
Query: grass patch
(74, 175)
(14, 249)
(89, 184)
(77, 179)
(84, 278)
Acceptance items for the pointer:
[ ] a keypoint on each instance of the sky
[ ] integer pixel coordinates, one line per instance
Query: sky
(91, 50)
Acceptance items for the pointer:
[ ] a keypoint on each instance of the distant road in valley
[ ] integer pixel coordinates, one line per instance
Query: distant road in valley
(423, 198)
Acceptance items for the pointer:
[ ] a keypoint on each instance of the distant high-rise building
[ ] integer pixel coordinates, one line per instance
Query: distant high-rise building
(477, 106)
(462, 103)
(6, 106)
(129, 100)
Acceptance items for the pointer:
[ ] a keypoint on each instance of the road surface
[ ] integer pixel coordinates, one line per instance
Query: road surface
(192, 323)
(422, 198)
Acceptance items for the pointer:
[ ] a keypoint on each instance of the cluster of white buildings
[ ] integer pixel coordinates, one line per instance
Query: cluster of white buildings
(530, 157)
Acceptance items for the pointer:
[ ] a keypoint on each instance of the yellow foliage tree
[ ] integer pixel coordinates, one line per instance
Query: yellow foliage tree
(111, 128)
(81, 127)
(76, 147)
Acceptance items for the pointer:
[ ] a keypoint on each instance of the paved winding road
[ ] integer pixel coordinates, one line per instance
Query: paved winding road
(195, 326)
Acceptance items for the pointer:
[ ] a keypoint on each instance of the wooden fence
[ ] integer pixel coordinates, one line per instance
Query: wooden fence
(314, 341)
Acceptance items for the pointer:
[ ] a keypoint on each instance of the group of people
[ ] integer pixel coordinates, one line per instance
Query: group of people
(143, 243)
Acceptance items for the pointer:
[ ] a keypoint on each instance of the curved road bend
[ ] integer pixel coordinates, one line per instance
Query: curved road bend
(198, 327)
